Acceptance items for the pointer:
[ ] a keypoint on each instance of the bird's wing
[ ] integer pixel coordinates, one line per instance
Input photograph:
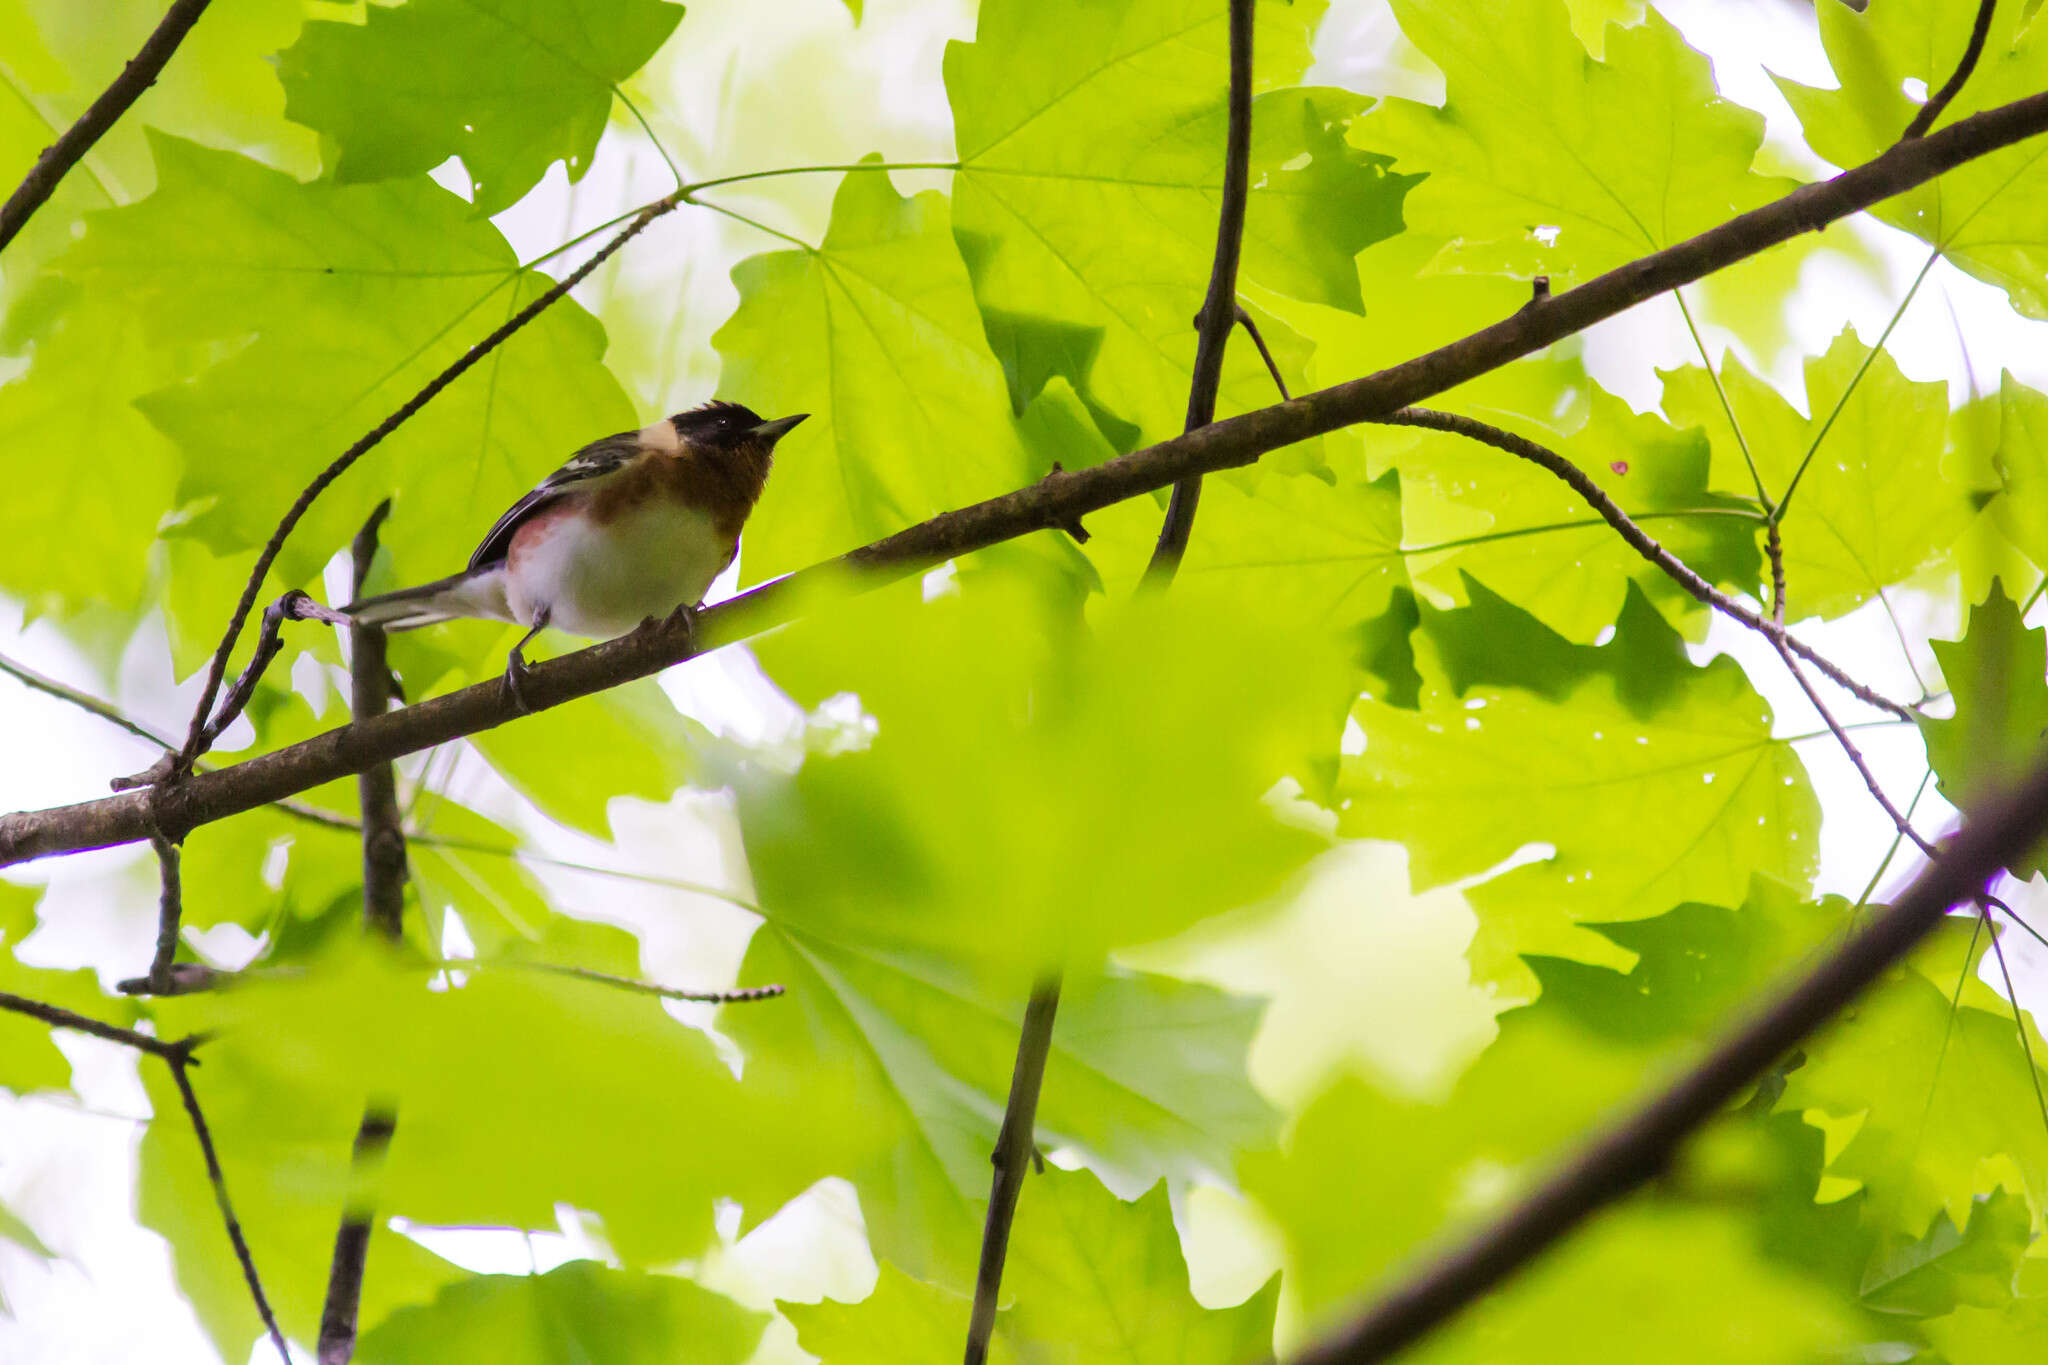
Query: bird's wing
(598, 460)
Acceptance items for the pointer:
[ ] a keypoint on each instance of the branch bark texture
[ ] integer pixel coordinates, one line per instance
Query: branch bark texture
(1015, 1150)
(68, 150)
(1052, 501)
(1219, 307)
(384, 875)
(1641, 1146)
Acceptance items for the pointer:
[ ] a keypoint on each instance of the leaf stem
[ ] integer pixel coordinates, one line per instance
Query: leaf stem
(1785, 499)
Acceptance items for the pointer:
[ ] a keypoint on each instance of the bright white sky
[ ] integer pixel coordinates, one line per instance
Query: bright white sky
(68, 1166)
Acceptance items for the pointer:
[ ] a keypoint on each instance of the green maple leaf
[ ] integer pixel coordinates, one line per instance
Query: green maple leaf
(1998, 674)
(510, 86)
(1947, 1110)
(1090, 140)
(359, 294)
(1146, 1076)
(1873, 506)
(905, 1321)
(29, 1058)
(875, 335)
(578, 1312)
(1986, 215)
(1369, 1183)
(2020, 456)
(1105, 1280)
(591, 1096)
(1544, 161)
(1089, 1277)
(2009, 1334)
(1049, 739)
(1482, 770)
(1927, 1277)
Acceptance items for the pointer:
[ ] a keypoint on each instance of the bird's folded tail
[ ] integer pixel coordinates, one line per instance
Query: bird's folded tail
(475, 593)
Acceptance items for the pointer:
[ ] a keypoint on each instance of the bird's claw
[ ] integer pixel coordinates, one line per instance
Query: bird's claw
(515, 683)
(685, 617)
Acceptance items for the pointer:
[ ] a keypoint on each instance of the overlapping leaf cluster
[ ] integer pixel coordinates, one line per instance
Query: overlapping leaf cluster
(1404, 637)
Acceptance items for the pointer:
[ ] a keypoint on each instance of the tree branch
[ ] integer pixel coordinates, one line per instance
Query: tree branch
(1898, 817)
(1015, 1150)
(384, 874)
(170, 911)
(1930, 111)
(1219, 308)
(68, 150)
(1642, 1145)
(384, 868)
(58, 1017)
(352, 1240)
(179, 1065)
(1051, 502)
(1641, 542)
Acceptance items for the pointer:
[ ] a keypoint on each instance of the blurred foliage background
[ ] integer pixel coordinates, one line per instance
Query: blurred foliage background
(1420, 828)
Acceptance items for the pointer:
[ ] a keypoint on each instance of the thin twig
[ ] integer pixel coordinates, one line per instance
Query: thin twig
(113, 715)
(1049, 502)
(197, 739)
(737, 996)
(1638, 540)
(1219, 308)
(1774, 551)
(68, 150)
(1244, 320)
(2002, 908)
(1015, 1150)
(1855, 755)
(179, 1066)
(291, 606)
(170, 909)
(1643, 1144)
(1930, 111)
(1984, 904)
(84, 701)
(58, 1017)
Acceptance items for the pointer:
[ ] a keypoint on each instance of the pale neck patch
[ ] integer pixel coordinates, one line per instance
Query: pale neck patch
(661, 436)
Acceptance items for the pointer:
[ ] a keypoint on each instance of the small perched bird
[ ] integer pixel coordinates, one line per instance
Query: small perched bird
(634, 527)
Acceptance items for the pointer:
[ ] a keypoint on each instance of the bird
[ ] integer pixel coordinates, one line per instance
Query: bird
(633, 528)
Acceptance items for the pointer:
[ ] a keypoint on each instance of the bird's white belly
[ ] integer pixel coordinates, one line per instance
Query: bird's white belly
(602, 581)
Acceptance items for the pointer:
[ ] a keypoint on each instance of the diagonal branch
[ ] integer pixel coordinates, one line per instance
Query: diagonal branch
(1053, 501)
(1855, 756)
(1219, 308)
(1644, 1143)
(179, 1065)
(67, 151)
(1930, 111)
(1641, 542)
(58, 1017)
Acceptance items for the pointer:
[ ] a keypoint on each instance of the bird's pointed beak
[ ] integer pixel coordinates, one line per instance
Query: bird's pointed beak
(771, 432)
